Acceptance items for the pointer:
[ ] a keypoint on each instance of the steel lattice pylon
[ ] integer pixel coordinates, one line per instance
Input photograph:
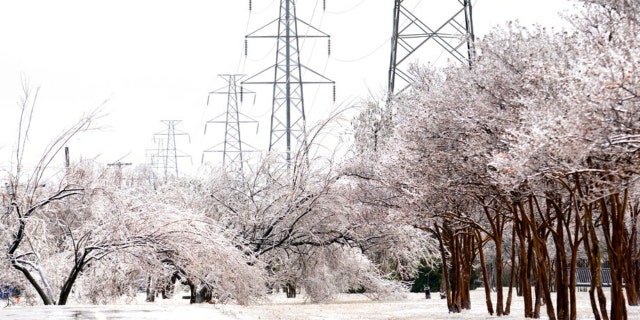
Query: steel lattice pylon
(232, 147)
(288, 121)
(455, 36)
(165, 157)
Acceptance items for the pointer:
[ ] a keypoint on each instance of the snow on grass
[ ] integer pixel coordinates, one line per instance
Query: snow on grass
(415, 306)
(347, 306)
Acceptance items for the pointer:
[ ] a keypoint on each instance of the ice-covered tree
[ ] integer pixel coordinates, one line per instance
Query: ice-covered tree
(82, 230)
(302, 220)
(539, 133)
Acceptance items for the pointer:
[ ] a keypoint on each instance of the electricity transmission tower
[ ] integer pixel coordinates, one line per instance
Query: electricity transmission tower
(165, 157)
(232, 147)
(288, 121)
(453, 34)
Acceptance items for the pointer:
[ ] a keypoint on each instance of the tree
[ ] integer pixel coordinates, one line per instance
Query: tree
(83, 231)
(301, 219)
(544, 133)
(28, 196)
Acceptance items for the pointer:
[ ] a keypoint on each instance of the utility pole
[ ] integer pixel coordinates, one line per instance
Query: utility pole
(167, 151)
(288, 120)
(119, 164)
(118, 174)
(453, 34)
(67, 162)
(232, 147)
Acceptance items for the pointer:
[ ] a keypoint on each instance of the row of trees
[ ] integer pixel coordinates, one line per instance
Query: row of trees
(82, 233)
(527, 161)
(91, 233)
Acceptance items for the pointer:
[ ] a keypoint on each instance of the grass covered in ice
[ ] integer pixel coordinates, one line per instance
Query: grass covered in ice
(415, 306)
(346, 306)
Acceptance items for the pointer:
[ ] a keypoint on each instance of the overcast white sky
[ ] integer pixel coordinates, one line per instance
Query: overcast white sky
(157, 59)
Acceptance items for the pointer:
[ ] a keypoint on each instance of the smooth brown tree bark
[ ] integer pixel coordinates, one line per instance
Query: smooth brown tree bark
(613, 224)
(496, 221)
(631, 260)
(445, 267)
(525, 285)
(592, 249)
(485, 276)
(512, 275)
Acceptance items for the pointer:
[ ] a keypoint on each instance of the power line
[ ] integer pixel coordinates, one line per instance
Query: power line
(365, 56)
(347, 10)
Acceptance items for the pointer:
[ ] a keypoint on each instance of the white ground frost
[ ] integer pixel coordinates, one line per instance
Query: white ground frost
(348, 306)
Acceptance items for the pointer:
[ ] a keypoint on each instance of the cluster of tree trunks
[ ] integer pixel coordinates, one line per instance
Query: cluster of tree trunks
(290, 290)
(557, 222)
(202, 293)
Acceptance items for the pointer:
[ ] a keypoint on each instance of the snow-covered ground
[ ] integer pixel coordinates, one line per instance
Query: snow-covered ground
(415, 306)
(353, 306)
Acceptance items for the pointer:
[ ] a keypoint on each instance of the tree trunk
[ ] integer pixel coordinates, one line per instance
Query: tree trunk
(525, 285)
(631, 274)
(71, 279)
(613, 225)
(574, 246)
(456, 275)
(169, 287)
(636, 272)
(497, 228)
(203, 294)
(561, 279)
(512, 274)
(539, 254)
(151, 291)
(46, 300)
(485, 276)
(290, 289)
(538, 298)
(592, 248)
(445, 268)
(192, 291)
(466, 267)
(15, 243)
(499, 274)
(573, 299)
